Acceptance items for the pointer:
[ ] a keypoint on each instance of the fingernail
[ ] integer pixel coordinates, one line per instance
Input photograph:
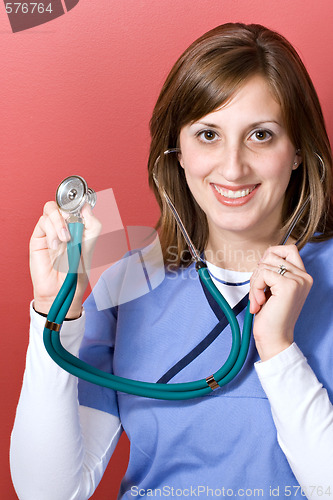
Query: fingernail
(54, 244)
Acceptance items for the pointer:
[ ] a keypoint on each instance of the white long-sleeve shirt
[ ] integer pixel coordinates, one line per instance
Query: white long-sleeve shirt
(59, 449)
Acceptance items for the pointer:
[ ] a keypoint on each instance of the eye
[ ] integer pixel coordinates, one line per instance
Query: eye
(261, 135)
(207, 136)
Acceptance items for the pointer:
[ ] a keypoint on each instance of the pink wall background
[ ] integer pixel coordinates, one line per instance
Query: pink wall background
(76, 97)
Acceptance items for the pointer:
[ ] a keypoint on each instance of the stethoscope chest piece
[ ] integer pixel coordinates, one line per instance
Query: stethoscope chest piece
(73, 193)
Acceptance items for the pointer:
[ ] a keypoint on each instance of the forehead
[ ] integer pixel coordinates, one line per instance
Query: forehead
(253, 100)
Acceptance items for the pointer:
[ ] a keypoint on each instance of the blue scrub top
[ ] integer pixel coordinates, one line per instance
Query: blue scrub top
(220, 443)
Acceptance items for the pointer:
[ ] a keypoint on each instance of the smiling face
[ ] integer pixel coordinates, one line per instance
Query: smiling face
(238, 161)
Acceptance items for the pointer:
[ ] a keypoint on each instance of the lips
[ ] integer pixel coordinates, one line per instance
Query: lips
(234, 195)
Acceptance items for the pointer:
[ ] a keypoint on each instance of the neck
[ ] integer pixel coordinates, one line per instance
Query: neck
(238, 253)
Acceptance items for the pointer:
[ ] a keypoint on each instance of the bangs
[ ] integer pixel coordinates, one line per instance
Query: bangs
(213, 81)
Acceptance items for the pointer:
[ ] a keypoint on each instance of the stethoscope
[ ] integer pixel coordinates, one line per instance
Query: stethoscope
(71, 196)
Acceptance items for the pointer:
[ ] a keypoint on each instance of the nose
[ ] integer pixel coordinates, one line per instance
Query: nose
(232, 163)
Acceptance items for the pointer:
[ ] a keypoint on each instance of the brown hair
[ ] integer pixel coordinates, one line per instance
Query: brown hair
(207, 75)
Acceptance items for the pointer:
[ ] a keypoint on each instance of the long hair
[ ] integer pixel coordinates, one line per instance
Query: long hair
(205, 77)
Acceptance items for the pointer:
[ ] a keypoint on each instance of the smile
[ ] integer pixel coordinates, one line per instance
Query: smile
(228, 193)
(235, 197)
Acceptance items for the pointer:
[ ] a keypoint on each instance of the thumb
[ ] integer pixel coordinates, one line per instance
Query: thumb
(92, 229)
(86, 212)
(91, 223)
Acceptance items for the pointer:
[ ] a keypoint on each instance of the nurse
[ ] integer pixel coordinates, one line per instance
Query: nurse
(252, 147)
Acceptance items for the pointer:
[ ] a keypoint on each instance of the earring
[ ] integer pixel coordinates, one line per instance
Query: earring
(298, 152)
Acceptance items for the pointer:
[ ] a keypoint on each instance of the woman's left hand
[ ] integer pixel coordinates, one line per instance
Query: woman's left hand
(276, 299)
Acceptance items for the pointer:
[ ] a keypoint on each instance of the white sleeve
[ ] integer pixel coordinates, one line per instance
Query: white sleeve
(58, 449)
(303, 416)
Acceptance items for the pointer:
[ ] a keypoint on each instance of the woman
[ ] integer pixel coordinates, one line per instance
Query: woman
(250, 148)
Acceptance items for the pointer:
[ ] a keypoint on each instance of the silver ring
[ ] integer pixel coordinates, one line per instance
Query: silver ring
(282, 270)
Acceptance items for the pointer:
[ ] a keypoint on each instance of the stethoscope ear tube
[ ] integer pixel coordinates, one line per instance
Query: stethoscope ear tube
(79, 368)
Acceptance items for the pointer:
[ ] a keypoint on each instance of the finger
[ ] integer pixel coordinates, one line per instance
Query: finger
(52, 212)
(287, 252)
(39, 230)
(51, 234)
(44, 235)
(276, 277)
(49, 207)
(275, 262)
(278, 285)
(268, 279)
(257, 299)
(256, 296)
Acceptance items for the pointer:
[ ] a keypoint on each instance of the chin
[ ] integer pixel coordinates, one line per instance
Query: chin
(235, 228)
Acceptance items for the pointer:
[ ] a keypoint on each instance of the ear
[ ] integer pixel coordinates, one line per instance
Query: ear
(297, 159)
(180, 159)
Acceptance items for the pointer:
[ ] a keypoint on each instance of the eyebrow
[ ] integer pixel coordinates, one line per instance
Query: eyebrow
(252, 125)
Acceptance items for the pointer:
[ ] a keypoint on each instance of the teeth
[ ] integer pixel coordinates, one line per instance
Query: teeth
(227, 193)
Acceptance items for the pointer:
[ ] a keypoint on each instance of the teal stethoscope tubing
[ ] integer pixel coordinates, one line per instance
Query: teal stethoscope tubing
(180, 391)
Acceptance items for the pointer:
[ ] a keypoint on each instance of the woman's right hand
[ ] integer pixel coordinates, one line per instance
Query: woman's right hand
(47, 243)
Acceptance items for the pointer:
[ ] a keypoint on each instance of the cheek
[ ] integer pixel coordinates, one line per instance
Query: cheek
(196, 164)
(192, 159)
(277, 167)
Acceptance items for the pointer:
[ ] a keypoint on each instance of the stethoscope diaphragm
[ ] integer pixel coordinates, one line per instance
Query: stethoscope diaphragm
(73, 193)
